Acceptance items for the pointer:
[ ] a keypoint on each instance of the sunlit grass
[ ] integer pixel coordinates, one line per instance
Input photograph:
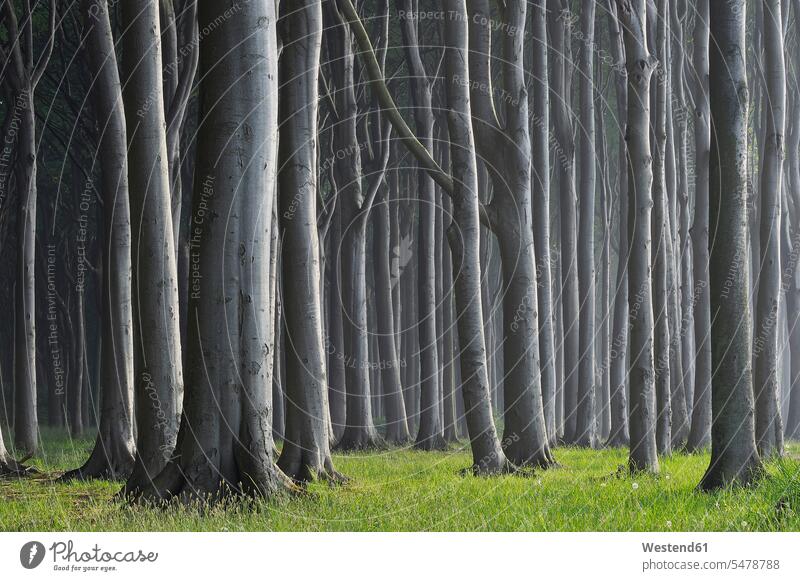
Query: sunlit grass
(406, 490)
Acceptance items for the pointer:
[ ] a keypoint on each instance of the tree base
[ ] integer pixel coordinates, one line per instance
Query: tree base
(10, 468)
(724, 473)
(435, 443)
(106, 462)
(618, 440)
(538, 459)
(359, 439)
(302, 471)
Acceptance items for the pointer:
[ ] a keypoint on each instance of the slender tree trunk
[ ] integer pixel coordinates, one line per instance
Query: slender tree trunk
(769, 425)
(540, 129)
(157, 348)
(585, 420)
(396, 420)
(734, 457)
(429, 434)
(661, 233)
(508, 154)
(113, 453)
(640, 66)
(570, 301)
(619, 344)
(306, 453)
(700, 431)
(464, 237)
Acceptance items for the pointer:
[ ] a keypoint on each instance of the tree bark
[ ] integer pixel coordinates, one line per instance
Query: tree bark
(619, 435)
(225, 445)
(157, 348)
(700, 431)
(640, 66)
(113, 453)
(769, 425)
(661, 256)
(734, 457)
(559, 29)
(464, 237)
(306, 453)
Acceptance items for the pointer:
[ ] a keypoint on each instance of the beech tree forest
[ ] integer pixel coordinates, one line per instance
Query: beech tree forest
(252, 248)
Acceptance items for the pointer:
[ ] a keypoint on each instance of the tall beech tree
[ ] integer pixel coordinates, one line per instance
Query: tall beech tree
(560, 30)
(113, 453)
(158, 373)
(306, 452)
(540, 191)
(225, 444)
(640, 66)
(660, 251)
(506, 149)
(700, 431)
(429, 435)
(769, 425)
(734, 457)
(464, 237)
(355, 205)
(619, 435)
(22, 71)
(585, 410)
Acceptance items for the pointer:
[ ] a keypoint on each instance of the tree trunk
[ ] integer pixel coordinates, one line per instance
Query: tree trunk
(225, 445)
(585, 419)
(769, 425)
(389, 362)
(700, 431)
(464, 237)
(640, 65)
(661, 233)
(619, 344)
(157, 348)
(540, 128)
(734, 457)
(429, 435)
(306, 453)
(559, 29)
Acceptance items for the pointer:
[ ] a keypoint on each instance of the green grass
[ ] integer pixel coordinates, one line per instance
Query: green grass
(405, 490)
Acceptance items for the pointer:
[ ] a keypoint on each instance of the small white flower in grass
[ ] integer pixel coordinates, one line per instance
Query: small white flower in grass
(667, 477)
(635, 486)
(669, 524)
(744, 524)
(539, 482)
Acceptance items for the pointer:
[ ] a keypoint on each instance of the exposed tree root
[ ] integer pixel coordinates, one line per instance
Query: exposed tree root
(106, 462)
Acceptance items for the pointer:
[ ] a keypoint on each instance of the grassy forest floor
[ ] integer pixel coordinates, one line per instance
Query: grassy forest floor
(406, 490)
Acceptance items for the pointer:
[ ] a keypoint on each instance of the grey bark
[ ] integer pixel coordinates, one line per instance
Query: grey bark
(306, 453)
(225, 445)
(640, 66)
(619, 435)
(23, 70)
(769, 425)
(464, 237)
(559, 29)
(113, 453)
(429, 436)
(506, 149)
(540, 186)
(157, 349)
(585, 420)
(700, 431)
(661, 234)
(734, 457)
